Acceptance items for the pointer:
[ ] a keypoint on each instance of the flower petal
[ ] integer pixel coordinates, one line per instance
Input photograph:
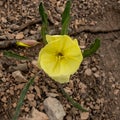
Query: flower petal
(61, 79)
(60, 67)
(27, 43)
(19, 43)
(51, 38)
(70, 65)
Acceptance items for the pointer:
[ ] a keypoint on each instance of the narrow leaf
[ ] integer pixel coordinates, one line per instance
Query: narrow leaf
(44, 22)
(71, 100)
(43, 33)
(93, 48)
(22, 96)
(65, 27)
(66, 18)
(43, 14)
(66, 12)
(14, 55)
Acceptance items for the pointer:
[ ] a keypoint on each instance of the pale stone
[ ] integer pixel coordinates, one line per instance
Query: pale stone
(14, 105)
(4, 99)
(37, 89)
(19, 36)
(1, 73)
(116, 91)
(4, 20)
(19, 77)
(97, 74)
(36, 115)
(22, 67)
(30, 97)
(84, 115)
(88, 72)
(82, 87)
(35, 63)
(54, 109)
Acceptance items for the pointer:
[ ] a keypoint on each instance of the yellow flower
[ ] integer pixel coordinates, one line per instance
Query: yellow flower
(60, 58)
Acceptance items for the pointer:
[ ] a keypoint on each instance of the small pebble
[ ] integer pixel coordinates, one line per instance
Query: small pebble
(94, 69)
(1, 73)
(96, 74)
(14, 105)
(84, 115)
(18, 77)
(88, 72)
(4, 99)
(19, 36)
(30, 97)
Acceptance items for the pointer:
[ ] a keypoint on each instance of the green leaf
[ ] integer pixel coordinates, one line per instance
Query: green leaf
(43, 14)
(22, 96)
(14, 55)
(43, 33)
(66, 18)
(65, 27)
(44, 22)
(71, 100)
(93, 48)
(66, 12)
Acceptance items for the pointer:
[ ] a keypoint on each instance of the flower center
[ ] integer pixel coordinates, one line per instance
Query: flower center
(60, 55)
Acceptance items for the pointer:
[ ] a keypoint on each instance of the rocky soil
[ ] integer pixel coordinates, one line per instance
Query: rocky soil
(96, 85)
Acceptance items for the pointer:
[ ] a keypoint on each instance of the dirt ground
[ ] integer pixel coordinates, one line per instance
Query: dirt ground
(96, 85)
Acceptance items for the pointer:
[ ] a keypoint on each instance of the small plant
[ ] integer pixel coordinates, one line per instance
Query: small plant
(59, 58)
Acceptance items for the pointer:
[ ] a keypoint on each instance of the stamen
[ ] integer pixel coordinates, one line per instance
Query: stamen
(60, 54)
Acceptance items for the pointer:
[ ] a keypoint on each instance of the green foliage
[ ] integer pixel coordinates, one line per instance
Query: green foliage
(43, 33)
(43, 14)
(44, 22)
(22, 96)
(93, 48)
(66, 18)
(14, 55)
(71, 100)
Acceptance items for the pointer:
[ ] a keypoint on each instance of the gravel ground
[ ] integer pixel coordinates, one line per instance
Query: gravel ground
(96, 85)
